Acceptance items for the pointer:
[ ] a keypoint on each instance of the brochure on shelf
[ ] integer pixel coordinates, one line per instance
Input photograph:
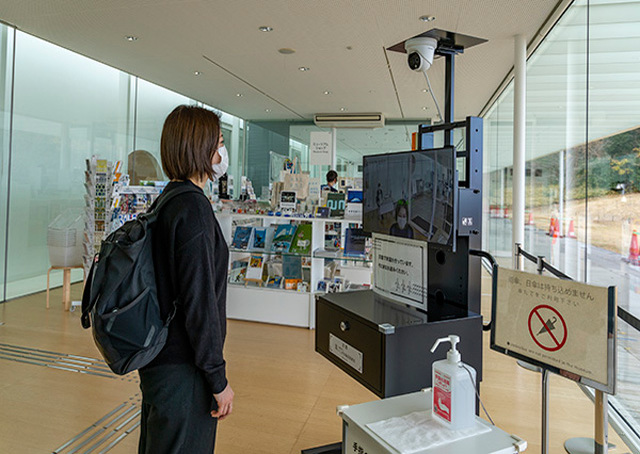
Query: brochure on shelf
(271, 231)
(242, 237)
(274, 282)
(354, 196)
(238, 272)
(282, 238)
(291, 284)
(322, 212)
(254, 270)
(331, 241)
(259, 242)
(292, 267)
(322, 285)
(355, 242)
(301, 243)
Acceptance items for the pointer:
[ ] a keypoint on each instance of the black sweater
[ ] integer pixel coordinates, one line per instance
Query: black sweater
(191, 259)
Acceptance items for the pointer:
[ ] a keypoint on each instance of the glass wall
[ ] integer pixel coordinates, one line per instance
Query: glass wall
(67, 108)
(582, 163)
(154, 103)
(80, 109)
(583, 146)
(6, 76)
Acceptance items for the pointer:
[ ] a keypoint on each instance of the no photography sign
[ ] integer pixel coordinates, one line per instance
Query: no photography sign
(563, 324)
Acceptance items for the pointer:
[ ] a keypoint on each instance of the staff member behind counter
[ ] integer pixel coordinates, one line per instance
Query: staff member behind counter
(332, 180)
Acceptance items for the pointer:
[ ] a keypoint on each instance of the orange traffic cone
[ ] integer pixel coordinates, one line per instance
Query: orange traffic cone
(634, 250)
(530, 222)
(552, 226)
(556, 231)
(572, 232)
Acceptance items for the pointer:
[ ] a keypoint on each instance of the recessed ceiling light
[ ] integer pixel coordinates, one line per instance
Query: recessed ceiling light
(427, 18)
(286, 51)
(327, 92)
(304, 68)
(265, 28)
(196, 73)
(239, 95)
(131, 38)
(424, 90)
(267, 110)
(343, 109)
(425, 108)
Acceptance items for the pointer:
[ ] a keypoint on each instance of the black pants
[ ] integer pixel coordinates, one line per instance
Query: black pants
(176, 406)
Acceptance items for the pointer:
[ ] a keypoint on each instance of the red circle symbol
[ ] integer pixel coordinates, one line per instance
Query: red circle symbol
(550, 332)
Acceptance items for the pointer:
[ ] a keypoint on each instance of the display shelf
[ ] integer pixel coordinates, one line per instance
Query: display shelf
(256, 252)
(339, 255)
(276, 305)
(221, 214)
(265, 288)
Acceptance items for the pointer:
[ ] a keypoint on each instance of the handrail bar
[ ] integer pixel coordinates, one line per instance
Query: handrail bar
(623, 314)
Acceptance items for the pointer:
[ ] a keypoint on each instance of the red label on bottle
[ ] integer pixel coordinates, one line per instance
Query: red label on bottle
(442, 395)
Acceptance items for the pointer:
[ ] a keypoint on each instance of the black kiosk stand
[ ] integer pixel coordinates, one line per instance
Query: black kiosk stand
(391, 340)
(394, 338)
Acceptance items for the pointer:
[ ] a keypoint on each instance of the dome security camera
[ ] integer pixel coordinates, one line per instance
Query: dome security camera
(420, 52)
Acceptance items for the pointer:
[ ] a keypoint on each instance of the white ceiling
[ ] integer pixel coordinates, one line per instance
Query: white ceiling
(341, 41)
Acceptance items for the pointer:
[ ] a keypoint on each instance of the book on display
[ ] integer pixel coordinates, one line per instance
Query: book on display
(242, 237)
(282, 238)
(301, 243)
(259, 242)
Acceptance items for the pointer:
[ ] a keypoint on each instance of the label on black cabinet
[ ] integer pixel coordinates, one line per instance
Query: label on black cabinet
(347, 353)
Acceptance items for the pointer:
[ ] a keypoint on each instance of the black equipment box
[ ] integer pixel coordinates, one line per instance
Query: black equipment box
(385, 345)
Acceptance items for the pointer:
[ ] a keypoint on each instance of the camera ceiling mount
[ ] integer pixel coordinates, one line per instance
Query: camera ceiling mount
(449, 43)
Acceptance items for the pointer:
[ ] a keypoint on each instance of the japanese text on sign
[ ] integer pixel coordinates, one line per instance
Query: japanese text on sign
(400, 267)
(563, 324)
(320, 148)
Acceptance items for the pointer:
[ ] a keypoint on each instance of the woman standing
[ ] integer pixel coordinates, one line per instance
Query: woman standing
(184, 389)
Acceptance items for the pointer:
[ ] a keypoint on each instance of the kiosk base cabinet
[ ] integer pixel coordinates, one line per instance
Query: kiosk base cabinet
(384, 345)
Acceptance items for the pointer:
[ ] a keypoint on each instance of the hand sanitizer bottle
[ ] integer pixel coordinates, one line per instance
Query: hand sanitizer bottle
(454, 394)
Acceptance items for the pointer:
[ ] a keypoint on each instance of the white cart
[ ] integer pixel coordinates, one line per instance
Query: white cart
(359, 439)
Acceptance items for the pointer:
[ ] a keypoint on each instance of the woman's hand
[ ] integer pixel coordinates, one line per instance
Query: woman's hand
(225, 403)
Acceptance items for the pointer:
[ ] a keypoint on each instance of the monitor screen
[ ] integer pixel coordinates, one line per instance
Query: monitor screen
(411, 194)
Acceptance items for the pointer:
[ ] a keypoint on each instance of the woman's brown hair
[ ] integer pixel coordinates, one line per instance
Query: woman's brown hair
(188, 143)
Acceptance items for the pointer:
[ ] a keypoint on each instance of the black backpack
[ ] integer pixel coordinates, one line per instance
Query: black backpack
(120, 298)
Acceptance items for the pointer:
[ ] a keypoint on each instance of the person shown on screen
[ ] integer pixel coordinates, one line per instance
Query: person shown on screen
(332, 180)
(379, 197)
(401, 227)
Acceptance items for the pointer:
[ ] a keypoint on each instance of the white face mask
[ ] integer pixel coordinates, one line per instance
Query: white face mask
(402, 222)
(221, 168)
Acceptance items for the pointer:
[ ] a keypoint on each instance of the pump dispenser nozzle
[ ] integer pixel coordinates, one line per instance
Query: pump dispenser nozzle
(453, 355)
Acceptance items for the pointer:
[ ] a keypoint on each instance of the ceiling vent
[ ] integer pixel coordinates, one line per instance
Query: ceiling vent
(349, 120)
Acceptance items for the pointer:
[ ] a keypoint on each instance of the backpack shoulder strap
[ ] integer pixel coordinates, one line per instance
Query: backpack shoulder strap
(87, 302)
(164, 198)
(152, 216)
